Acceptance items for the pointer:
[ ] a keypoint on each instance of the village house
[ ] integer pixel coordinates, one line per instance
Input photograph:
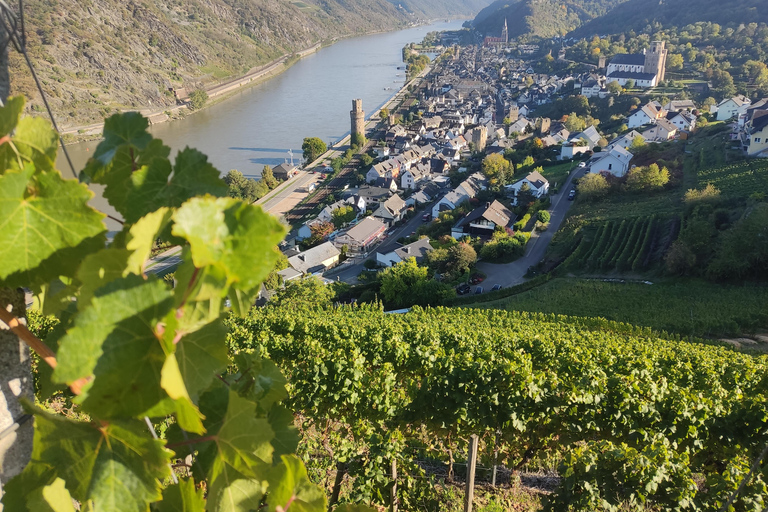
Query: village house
(466, 190)
(573, 148)
(284, 171)
(756, 134)
(482, 222)
(683, 120)
(732, 107)
(537, 183)
(391, 211)
(614, 161)
(360, 238)
(316, 260)
(417, 250)
(661, 131)
(647, 114)
(626, 140)
(590, 135)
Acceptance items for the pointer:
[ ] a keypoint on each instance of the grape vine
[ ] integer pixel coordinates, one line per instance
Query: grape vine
(128, 349)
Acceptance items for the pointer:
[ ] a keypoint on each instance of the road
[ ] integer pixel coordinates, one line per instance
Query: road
(510, 274)
(164, 262)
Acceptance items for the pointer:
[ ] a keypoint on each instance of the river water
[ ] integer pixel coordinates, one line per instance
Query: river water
(312, 98)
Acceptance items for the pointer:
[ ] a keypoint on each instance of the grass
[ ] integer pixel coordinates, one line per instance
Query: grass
(216, 72)
(687, 307)
(558, 173)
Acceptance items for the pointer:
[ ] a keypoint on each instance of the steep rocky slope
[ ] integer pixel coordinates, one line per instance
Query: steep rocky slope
(96, 57)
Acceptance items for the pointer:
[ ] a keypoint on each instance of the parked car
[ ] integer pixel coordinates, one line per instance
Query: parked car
(463, 289)
(496, 287)
(582, 164)
(478, 290)
(476, 278)
(426, 217)
(572, 194)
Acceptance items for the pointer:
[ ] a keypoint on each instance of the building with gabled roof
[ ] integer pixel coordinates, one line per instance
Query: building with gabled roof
(362, 236)
(614, 161)
(316, 260)
(417, 249)
(483, 221)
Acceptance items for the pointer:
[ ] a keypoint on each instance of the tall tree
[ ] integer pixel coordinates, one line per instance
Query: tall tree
(268, 177)
(313, 147)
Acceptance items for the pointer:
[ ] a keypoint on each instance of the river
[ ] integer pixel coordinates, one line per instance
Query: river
(312, 98)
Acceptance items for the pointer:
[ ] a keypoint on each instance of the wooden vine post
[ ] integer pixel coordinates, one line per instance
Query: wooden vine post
(393, 492)
(471, 464)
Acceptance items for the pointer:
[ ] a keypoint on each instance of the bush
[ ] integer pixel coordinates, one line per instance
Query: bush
(520, 225)
(197, 99)
(543, 216)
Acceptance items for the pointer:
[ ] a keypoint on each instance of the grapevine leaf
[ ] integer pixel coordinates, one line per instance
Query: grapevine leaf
(201, 355)
(115, 340)
(98, 269)
(41, 217)
(286, 434)
(10, 114)
(51, 498)
(142, 236)
(116, 466)
(228, 234)
(181, 498)
(231, 491)
(260, 380)
(202, 299)
(129, 128)
(290, 488)
(32, 479)
(37, 142)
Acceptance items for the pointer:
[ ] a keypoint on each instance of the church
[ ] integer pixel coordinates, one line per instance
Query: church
(646, 69)
(498, 41)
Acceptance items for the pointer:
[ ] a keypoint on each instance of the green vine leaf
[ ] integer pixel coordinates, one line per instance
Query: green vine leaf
(98, 269)
(142, 236)
(51, 498)
(225, 233)
(183, 497)
(116, 466)
(115, 340)
(31, 139)
(201, 356)
(126, 129)
(10, 114)
(46, 226)
(290, 488)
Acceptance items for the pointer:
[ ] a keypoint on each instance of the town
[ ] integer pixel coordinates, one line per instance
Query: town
(475, 168)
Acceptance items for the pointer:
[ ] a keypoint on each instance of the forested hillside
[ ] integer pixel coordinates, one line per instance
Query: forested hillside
(98, 57)
(545, 18)
(642, 15)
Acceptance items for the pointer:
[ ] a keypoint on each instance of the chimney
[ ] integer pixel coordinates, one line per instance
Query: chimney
(488, 205)
(302, 257)
(408, 250)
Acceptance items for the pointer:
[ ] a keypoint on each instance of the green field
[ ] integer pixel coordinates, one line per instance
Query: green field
(689, 307)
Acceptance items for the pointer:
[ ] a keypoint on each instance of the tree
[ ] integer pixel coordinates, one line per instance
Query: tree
(543, 216)
(525, 197)
(197, 99)
(614, 88)
(384, 114)
(397, 280)
(674, 61)
(461, 257)
(574, 123)
(318, 232)
(274, 280)
(243, 188)
(268, 177)
(647, 178)
(496, 168)
(342, 216)
(313, 147)
(637, 143)
(630, 84)
(308, 292)
(592, 186)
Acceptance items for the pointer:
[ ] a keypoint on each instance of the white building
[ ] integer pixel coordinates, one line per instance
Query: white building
(536, 182)
(615, 161)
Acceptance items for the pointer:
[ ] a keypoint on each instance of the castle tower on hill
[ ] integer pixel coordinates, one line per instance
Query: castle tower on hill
(656, 60)
(357, 116)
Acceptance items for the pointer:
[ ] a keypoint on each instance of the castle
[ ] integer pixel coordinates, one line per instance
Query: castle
(646, 69)
(357, 118)
(494, 41)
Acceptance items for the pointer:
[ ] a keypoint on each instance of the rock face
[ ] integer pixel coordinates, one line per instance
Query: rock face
(99, 57)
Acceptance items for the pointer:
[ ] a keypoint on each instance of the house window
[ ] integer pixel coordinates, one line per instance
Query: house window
(757, 139)
(610, 166)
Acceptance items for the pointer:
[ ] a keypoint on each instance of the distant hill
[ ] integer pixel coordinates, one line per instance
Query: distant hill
(637, 15)
(95, 58)
(544, 18)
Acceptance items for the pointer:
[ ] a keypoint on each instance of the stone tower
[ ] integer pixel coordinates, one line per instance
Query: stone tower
(357, 116)
(601, 62)
(505, 32)
(656, 60)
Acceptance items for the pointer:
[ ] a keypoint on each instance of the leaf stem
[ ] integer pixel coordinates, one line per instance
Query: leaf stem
(42, 350)
(191, 441)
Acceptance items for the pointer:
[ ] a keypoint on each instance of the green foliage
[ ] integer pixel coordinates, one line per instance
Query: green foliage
(593, 186)
(543, 216)
(523, 382)
(342, 216)
(643, 179)
(406, 284)
(313, 147)
(197, 99)
(309, 292)
(131, 348)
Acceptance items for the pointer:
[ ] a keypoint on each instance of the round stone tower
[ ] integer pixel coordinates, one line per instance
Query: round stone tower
(357, 116)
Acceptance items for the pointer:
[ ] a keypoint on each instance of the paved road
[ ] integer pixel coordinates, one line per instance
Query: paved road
(165, 262)
(510, 274)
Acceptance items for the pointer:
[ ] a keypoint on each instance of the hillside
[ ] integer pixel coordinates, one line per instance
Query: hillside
(98, 58)
(638, 14)
(544, 18)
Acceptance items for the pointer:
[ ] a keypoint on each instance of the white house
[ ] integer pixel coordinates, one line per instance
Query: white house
(625, 141)
(568, 151)
(661, 131)
(615, 161)
(362, 236)
(756, 131)
(647, 114)
(536, 182)
(390, 211)
(417, 249)
(684, 121)
(483, 221)
(316, 260)
(590, 135)
(732, 107)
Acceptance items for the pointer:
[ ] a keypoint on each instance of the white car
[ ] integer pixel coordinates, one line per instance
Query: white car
(582, 164)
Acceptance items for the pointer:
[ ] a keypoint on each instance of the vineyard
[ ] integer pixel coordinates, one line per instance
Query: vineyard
(687, 307)
(737, 180)
(633, 420)
(634, 244)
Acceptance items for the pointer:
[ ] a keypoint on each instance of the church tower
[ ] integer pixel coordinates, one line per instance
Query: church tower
(357, 116)
(505, 32)
(656, 60)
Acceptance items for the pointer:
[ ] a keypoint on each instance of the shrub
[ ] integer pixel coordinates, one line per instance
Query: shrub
(197, 99)
(543, 216)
